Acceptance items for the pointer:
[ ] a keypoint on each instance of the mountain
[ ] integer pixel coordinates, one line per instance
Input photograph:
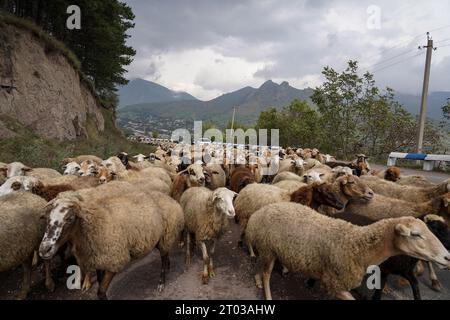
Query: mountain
(436, 100)
(249, 102)
(143, 91)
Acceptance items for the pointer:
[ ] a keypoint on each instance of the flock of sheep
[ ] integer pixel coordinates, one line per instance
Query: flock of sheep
(325, 219)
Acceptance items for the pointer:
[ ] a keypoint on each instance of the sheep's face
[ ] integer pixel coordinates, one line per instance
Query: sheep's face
(413, 238)
(16, 169)
(61, 217)
(392, 174)
(354, 189)
(17, 184)
(104, 175)
(325, 194)
(88, 168)
(223, 201)
(196, 176)
(71, 168)
(313, 177)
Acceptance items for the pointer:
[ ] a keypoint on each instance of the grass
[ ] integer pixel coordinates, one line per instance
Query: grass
(35, 151)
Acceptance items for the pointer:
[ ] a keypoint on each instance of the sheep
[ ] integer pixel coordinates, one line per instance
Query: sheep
(140, 157)
(390, 174)
(19, 169)
(46, 189)
(255, 196)
(291, 165)
(240, 178)
(415, 181)
(124, 158)
(21, 230)
(105, 175)
(193, 176)
(114, 164)
(407, 193)
(313, 176)
(82, 158)
(290, 185)
(71, 168)
(206, 215)
(107, 230)
(88, 168)
(286, 176)
(310, 164)
(215, 176)
(404, 265)
(382, 207)
(300, 238)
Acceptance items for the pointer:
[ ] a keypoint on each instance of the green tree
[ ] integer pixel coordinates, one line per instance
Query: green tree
(446, 110)
(100, 45)
(155, 134)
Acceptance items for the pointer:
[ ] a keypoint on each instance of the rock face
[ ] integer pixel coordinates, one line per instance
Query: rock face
(41, 89)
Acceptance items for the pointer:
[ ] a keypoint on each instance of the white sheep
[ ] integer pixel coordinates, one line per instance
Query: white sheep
(300, 238)
(206, 215)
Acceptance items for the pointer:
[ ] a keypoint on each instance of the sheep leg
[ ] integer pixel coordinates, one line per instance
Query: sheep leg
(205, 275)
(26, 281)
(211, 267)
(414, 285)
(188, 248)
(104, 285)
(419, 270)
(252, 253)
(267, 272)
(165, 263)
(435, 284)
(345, 295)
(49, 283)
(87, 284)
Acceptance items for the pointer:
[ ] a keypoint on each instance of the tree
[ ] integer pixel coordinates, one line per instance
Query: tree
(155, 134)
(100, 45)
(446, 110)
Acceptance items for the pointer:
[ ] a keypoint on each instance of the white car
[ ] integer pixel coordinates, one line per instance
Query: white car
(203, 141)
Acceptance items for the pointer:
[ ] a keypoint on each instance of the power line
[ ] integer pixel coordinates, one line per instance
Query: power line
(394, 64)
(390, 59)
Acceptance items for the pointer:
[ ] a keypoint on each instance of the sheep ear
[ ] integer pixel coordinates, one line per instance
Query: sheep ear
(402, 230)
(64, 167)
(26, 169)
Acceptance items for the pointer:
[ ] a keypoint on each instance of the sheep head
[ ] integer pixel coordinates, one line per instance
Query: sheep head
(392, 174)
(325, 194)
(16, 169)
(62, 215)
(18, 184)
(313, 177)
(354, 189)
(223, 201)
(195, 175)
(71, 168)
(412, 237)
(88, 168)
(440, 229)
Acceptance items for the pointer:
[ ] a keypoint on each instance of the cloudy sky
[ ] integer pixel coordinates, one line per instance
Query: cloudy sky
(209, 47)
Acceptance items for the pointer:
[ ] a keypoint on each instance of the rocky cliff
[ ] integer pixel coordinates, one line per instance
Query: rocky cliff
(40, 88)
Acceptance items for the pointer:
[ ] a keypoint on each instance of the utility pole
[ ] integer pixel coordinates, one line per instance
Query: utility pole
(426, 84)
(232, 120)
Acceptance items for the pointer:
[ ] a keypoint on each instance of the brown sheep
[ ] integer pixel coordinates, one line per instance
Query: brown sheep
(193, 176)
(390, 174)
(240, 178)
(81, 159)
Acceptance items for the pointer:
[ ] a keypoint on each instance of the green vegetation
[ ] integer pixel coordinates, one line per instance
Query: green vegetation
(35, 151)
(352, 116)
